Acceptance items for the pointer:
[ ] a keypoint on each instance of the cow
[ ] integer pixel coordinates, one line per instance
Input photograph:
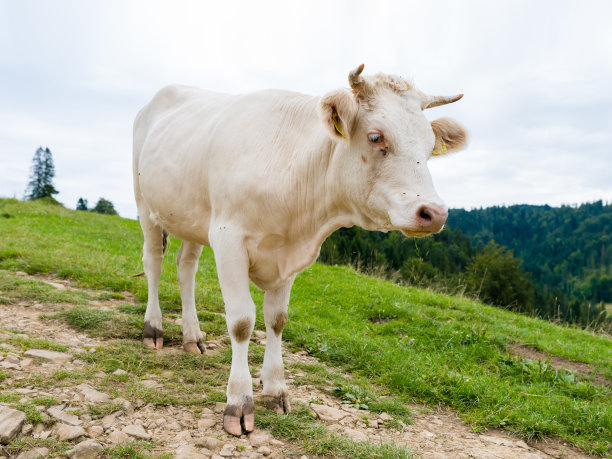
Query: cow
(263, 179)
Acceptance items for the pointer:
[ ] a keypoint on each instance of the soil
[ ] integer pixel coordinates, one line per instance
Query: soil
(436, 433)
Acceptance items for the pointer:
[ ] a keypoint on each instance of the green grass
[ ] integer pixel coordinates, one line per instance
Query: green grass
(35, 343)
(427, 348)
(15, 288)
(313, 438)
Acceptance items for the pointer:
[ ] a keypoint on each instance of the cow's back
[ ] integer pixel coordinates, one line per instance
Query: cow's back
(198, 153)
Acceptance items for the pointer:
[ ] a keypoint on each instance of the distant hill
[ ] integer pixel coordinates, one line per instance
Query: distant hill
(566, 252)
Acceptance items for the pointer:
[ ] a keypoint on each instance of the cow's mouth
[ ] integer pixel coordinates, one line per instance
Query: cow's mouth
(413, 233)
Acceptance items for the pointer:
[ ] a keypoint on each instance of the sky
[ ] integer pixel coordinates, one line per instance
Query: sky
(537, 79)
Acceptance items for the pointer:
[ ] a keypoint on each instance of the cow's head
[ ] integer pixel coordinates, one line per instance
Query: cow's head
(385, 141)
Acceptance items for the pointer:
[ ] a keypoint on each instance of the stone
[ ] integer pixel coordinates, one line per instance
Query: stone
(120, 372)
(87, 449)
(34, 453)
(183, 437)
(10, 423)
(206, 423)
(188, 452)
(264, 450)
(66, 432)
(257, 439)
(149, 383)
(276, 442)
(13, 358)
(10, 366)
(355, 434)
(96, 431)
(127, 406)
(226, 453)
(49, 356)
(328, 413)
(136, 431)
(109, 420)
(92, 395)
(118, 437)
(219, 407)
(26, 429)
(64, 417)
(209, 443)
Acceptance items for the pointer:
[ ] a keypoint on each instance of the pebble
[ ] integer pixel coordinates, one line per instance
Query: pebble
(10, 423)
(209, 443)
(189, 452)
(34, 453)
(64, 417)
(206, 423)
(87, 449)
(219, 407)
(328, 413)
(118, 437)
(183, 437)
(257, 439)
(120, 372)
(264, 450)
(136, 431)
(12, 358)
(92, 395)
(96, 431)
(226, 453)
(49, 356)
(66, 432)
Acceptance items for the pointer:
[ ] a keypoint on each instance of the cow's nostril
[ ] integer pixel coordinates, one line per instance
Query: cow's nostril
(425, 214)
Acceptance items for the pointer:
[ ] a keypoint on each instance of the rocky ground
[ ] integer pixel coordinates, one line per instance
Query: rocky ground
(89, 423)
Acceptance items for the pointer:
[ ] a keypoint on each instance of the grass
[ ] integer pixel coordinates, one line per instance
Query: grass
(312, 438)
(412, 344)
(36, 343)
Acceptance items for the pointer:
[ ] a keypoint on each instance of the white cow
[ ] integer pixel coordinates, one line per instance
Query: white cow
(263, 179)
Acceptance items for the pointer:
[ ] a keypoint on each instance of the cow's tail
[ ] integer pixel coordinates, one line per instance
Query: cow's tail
(164, 248)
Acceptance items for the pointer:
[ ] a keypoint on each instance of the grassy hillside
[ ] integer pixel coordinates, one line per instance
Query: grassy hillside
(414, 345)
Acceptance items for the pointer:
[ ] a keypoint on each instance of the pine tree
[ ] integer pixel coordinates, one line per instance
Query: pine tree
(81, 204)
(41, 178)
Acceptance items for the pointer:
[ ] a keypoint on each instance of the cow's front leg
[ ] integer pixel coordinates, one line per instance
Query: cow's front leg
(187, 265)
(232, 269)
(275, 395)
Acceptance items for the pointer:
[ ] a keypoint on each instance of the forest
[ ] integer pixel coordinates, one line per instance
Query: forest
(550, 262)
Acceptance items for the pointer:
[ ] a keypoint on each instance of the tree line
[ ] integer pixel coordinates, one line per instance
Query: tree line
(41, 185)
(553, 262)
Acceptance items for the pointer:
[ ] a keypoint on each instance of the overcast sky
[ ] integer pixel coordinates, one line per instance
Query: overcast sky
(537, 78)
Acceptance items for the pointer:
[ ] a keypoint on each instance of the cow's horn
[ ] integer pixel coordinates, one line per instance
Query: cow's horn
(434, 101)
(356, 80)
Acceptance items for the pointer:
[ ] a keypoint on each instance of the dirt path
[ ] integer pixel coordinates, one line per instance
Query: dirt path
(435, 433)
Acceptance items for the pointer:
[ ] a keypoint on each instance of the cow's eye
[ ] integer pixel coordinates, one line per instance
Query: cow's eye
(375, 138)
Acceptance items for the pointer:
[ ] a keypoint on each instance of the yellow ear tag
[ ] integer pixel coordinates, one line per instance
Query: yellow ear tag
(337, 124)
(442, 151)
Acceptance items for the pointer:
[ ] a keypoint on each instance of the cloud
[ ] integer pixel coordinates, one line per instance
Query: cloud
(535, 76)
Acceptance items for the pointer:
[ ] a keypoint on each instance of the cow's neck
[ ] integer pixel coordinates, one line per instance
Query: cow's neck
(321, 206)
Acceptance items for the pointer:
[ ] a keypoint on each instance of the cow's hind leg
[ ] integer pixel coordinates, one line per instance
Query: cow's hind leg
(275, 395)
(153, 254)
(233, 272)
(187, 265)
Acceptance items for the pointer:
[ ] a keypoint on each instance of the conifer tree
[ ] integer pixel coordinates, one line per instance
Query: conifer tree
(41, 177)
(81, 204)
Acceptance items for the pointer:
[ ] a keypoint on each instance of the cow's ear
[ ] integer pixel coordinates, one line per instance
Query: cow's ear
(450, 136)
(338, 111)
